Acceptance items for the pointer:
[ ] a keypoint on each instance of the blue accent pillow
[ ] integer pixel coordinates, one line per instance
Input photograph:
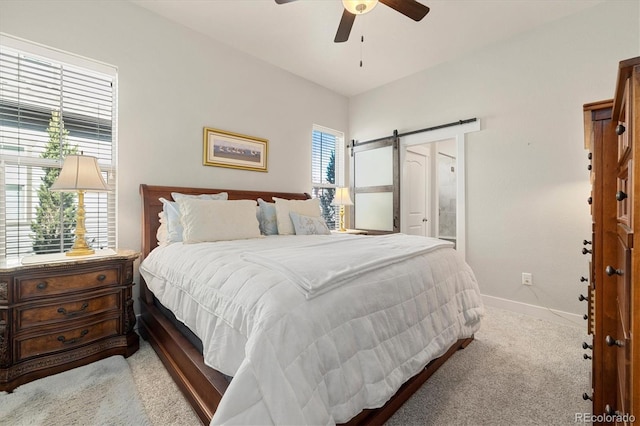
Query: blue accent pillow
(309, 225)
(267, 218)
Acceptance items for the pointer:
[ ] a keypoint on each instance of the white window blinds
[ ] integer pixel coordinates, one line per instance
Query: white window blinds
(327, 169)
(50, 108)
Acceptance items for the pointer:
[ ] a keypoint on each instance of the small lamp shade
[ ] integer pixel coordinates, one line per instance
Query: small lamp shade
(80, 173)
(342, 197)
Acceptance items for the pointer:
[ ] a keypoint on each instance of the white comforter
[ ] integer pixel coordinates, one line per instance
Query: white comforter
(318, 361)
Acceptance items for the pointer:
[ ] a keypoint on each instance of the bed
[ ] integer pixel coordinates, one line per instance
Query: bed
(264, 388)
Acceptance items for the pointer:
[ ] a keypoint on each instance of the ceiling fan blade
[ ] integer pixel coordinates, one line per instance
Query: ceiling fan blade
(410, 8)
(284, 1)
(344, 29)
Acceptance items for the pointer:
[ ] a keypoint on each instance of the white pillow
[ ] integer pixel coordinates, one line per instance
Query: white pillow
(217, 220)
(219, 196)
(309, 207)
(162, 235)
(172, 212)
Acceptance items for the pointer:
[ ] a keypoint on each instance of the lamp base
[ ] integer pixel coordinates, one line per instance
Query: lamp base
(342, 228)
(80, 252)
(80, 248)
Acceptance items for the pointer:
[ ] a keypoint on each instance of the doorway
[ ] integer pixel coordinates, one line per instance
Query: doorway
(451, 142)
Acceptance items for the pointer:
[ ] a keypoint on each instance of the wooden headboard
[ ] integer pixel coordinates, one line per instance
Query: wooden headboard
(151, 205)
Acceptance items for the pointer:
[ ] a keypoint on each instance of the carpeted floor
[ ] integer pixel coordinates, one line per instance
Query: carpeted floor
(100, 393)
(519, 371)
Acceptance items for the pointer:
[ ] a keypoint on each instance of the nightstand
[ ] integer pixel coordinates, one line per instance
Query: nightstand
(58, 315)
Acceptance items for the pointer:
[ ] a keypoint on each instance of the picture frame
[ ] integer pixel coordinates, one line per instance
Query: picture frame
(234, 150)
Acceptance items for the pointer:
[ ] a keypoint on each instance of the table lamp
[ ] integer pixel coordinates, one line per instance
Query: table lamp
(342, 198)
(80, 173)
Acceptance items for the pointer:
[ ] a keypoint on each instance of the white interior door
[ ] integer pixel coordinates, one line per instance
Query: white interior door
(416, 192)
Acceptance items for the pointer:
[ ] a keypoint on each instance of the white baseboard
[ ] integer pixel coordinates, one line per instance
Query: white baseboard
(552, 315)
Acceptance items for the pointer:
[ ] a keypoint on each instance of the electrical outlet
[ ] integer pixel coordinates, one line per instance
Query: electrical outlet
(527, 278)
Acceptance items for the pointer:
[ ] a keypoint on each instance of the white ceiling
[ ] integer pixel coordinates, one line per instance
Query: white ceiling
(298, 36)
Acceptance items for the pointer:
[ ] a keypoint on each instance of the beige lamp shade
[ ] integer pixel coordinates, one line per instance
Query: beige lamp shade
(359, 7)
(80, 173)
(342, 197)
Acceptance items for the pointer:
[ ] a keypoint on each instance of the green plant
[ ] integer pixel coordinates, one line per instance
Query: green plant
(56, 212)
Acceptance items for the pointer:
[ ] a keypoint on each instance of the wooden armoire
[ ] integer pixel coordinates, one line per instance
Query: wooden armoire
(612, 133)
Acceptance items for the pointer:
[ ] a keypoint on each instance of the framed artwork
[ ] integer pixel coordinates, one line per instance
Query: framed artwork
(227, 149)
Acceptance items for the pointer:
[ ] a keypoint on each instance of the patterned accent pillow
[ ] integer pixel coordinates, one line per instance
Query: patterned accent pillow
(310, 207)
(267, 218)
(309, 225)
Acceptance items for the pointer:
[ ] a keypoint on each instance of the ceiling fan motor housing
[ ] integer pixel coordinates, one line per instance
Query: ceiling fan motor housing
(359, 7)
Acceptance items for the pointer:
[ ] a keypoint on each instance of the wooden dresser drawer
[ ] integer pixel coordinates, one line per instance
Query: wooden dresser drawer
(37, 287)
(65, 339)
(63, 310)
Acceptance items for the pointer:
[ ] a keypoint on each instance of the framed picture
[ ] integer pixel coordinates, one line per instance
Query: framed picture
(227, 149)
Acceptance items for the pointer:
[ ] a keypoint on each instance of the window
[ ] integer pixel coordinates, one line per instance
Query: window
(52, 104)
(327, 170)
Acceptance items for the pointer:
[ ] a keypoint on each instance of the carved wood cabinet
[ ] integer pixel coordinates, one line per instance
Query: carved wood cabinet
(58, 316)
(612, 129)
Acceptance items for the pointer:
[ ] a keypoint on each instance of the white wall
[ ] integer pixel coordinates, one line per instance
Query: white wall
(527, 181)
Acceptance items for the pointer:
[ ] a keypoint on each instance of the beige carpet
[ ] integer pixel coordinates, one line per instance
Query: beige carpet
(100, 393)
(519, 370)
(158, 393)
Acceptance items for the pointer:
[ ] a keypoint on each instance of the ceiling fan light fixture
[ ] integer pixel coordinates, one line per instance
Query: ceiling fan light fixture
(359, 7)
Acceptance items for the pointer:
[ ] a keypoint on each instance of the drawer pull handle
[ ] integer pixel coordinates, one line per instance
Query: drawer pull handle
(66, 313)
(620, 129)
(610, 410)
(64, 340)
(586, 251)
(586, 396)
(610, 271)
(620, 195)
(41, 285)
(102, 277)
(610, 341)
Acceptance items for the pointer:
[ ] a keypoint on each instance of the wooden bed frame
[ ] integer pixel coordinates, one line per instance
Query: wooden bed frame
(203, 386)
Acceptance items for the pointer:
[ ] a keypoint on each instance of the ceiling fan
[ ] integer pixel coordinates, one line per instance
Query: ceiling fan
(410, 8)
